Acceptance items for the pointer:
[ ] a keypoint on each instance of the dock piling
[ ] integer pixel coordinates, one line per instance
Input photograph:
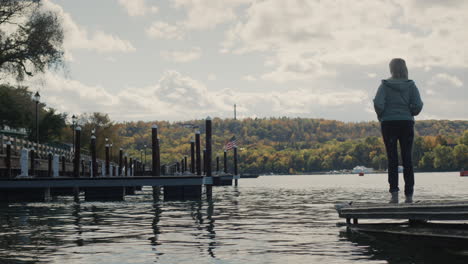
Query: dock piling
(155, 154)
(94, 170)
(207, 158)
(8, 158)
(198, 153)
(192, 156)
(120, 162)
(77, 159)
(107, 172)
(235, 165)
(225, 162)
(49, 165)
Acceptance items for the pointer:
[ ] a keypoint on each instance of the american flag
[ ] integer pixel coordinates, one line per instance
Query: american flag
(231, 143)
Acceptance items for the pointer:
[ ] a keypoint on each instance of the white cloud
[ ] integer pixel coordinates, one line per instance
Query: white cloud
(78, 37)
(163, 30)
(179, 97)
(137, 7)
(207, 14)
(182, 56)
(249, 77)
(211, 77)
(443, 79)
(308, 39)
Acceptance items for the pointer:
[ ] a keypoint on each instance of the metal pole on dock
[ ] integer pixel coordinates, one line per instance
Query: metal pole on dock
(155, 146)
(93, 156)
(77, 159)
(120, 162)
(107, 160)
(217, 163)
(197, 151)
(131, 167)
(235, 164)
(225, 161)
(185, 164)
(192, 156)
(8, 158)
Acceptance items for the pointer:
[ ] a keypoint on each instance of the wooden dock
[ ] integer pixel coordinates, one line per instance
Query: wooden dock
(414, 211)
(32, 172)
(418, 215)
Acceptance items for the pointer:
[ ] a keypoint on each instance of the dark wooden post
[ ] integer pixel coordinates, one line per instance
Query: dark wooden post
(204, 161)
(33, 162)
(120, 161)
(126, 165)
(208, 157)
(8, 158)
(155, 146)
(185, 164)
(93, 156)
(182, 163)
(198, 153)
(49, 165)
(64, 167)
(131, 168)
(107, 160)
(235, 164)
(77, 159)
(82, 167)
(225, 162)
(192, 156)
(217, 163)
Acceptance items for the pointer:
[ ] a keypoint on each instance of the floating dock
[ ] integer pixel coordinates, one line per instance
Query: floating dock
(417, 215)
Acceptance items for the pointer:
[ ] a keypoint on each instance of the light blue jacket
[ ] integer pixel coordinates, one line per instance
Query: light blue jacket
(397, 99)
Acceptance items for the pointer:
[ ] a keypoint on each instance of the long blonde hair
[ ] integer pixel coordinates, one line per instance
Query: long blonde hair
(398, 69)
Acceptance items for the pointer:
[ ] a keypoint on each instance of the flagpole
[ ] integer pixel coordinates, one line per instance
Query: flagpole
(235, 114)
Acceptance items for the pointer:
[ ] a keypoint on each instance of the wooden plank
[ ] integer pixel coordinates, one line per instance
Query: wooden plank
(427, 230)
(419, 211)
(99, 182)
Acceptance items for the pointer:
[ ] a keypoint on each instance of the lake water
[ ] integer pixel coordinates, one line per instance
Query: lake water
(271, 219)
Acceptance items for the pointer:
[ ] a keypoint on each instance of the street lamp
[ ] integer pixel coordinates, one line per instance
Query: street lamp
(73, 125)
(145, 155)
(36, 99)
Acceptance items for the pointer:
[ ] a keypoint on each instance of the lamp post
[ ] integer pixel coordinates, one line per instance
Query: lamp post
(145, 155)
(37, 97)
(73, 125)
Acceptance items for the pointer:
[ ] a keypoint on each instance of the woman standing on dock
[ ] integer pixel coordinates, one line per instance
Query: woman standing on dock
(396, 102)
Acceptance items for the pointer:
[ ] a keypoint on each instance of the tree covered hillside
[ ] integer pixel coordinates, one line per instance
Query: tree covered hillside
(290, 145)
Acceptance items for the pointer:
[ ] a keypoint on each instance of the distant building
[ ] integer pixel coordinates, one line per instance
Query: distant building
(359, 169)
(18, 133)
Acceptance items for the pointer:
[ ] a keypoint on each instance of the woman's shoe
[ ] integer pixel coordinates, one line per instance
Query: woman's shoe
(409, 199)
(394, 197)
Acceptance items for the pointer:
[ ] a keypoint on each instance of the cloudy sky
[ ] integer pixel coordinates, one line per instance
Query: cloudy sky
(187, 59)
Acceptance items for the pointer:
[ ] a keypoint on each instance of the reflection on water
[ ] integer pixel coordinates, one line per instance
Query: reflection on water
(402, 250)
(277, 219)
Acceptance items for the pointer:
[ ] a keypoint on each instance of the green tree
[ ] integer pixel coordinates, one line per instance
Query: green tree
(443, 158)
(34, 40)
(460, 156)
(15, 106)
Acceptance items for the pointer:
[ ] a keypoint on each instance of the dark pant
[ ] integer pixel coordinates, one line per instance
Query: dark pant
(401, 131)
